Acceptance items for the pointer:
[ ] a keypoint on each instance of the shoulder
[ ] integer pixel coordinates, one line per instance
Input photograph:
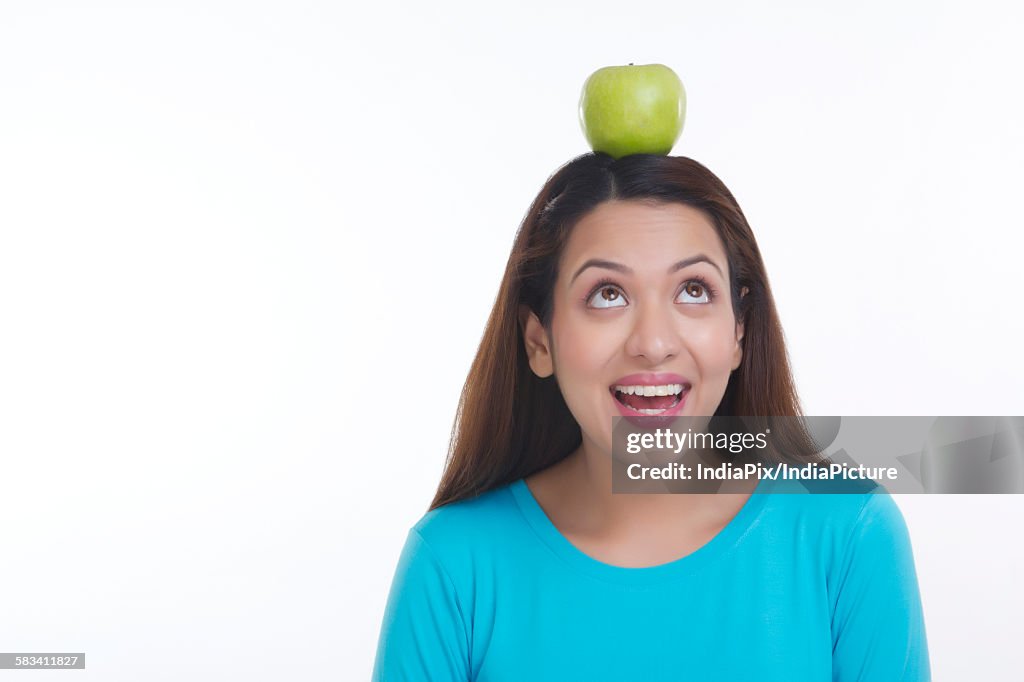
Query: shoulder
(878, 534)
(459, 533)
(878, 629)
(838, 510)
(468, 515)
(837, 524)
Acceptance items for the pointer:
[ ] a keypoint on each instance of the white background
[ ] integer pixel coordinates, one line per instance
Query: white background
(247, 251)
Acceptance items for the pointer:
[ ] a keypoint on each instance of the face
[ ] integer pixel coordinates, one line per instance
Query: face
(641, 298)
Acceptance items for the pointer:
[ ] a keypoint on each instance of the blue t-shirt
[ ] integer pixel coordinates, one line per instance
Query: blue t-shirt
(795, 587)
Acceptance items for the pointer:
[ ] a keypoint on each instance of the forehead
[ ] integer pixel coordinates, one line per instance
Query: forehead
(643, 236)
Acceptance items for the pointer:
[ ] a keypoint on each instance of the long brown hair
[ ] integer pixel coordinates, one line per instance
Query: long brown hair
(511, 423)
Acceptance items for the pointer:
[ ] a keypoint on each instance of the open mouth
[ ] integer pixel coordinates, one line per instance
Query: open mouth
(650, 400)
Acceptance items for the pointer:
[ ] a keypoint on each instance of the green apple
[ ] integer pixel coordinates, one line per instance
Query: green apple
(633, 109)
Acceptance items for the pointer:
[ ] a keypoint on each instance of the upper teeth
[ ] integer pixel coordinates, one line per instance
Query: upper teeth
(667, 389)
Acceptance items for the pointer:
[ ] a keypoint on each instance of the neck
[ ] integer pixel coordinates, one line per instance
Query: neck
(587, 483)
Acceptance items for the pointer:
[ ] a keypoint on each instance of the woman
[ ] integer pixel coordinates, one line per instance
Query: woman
(625, 274)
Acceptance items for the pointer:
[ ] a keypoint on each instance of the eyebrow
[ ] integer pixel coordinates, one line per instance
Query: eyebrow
(618, 267)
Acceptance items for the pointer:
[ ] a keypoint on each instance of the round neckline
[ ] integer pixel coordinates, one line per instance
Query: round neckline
(723, 541)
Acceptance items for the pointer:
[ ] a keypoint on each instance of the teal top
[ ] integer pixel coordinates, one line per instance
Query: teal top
(795, 587)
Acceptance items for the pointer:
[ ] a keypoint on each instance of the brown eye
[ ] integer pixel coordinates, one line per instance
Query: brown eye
(607, 297)
(695, 290)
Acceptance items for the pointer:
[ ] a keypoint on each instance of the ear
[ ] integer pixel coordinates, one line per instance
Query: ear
(538, 345)
(737, 354)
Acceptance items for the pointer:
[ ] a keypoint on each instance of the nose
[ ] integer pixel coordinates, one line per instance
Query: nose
(655, 334)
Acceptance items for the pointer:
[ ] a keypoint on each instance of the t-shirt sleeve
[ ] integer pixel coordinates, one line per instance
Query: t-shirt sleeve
(878, 628)
(424, 635)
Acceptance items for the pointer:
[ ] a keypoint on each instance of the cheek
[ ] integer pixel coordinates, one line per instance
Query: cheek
(580, 351)
(712, 346)
(580, 358)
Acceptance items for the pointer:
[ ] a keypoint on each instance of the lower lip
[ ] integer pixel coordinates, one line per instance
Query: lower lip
(647, 420)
